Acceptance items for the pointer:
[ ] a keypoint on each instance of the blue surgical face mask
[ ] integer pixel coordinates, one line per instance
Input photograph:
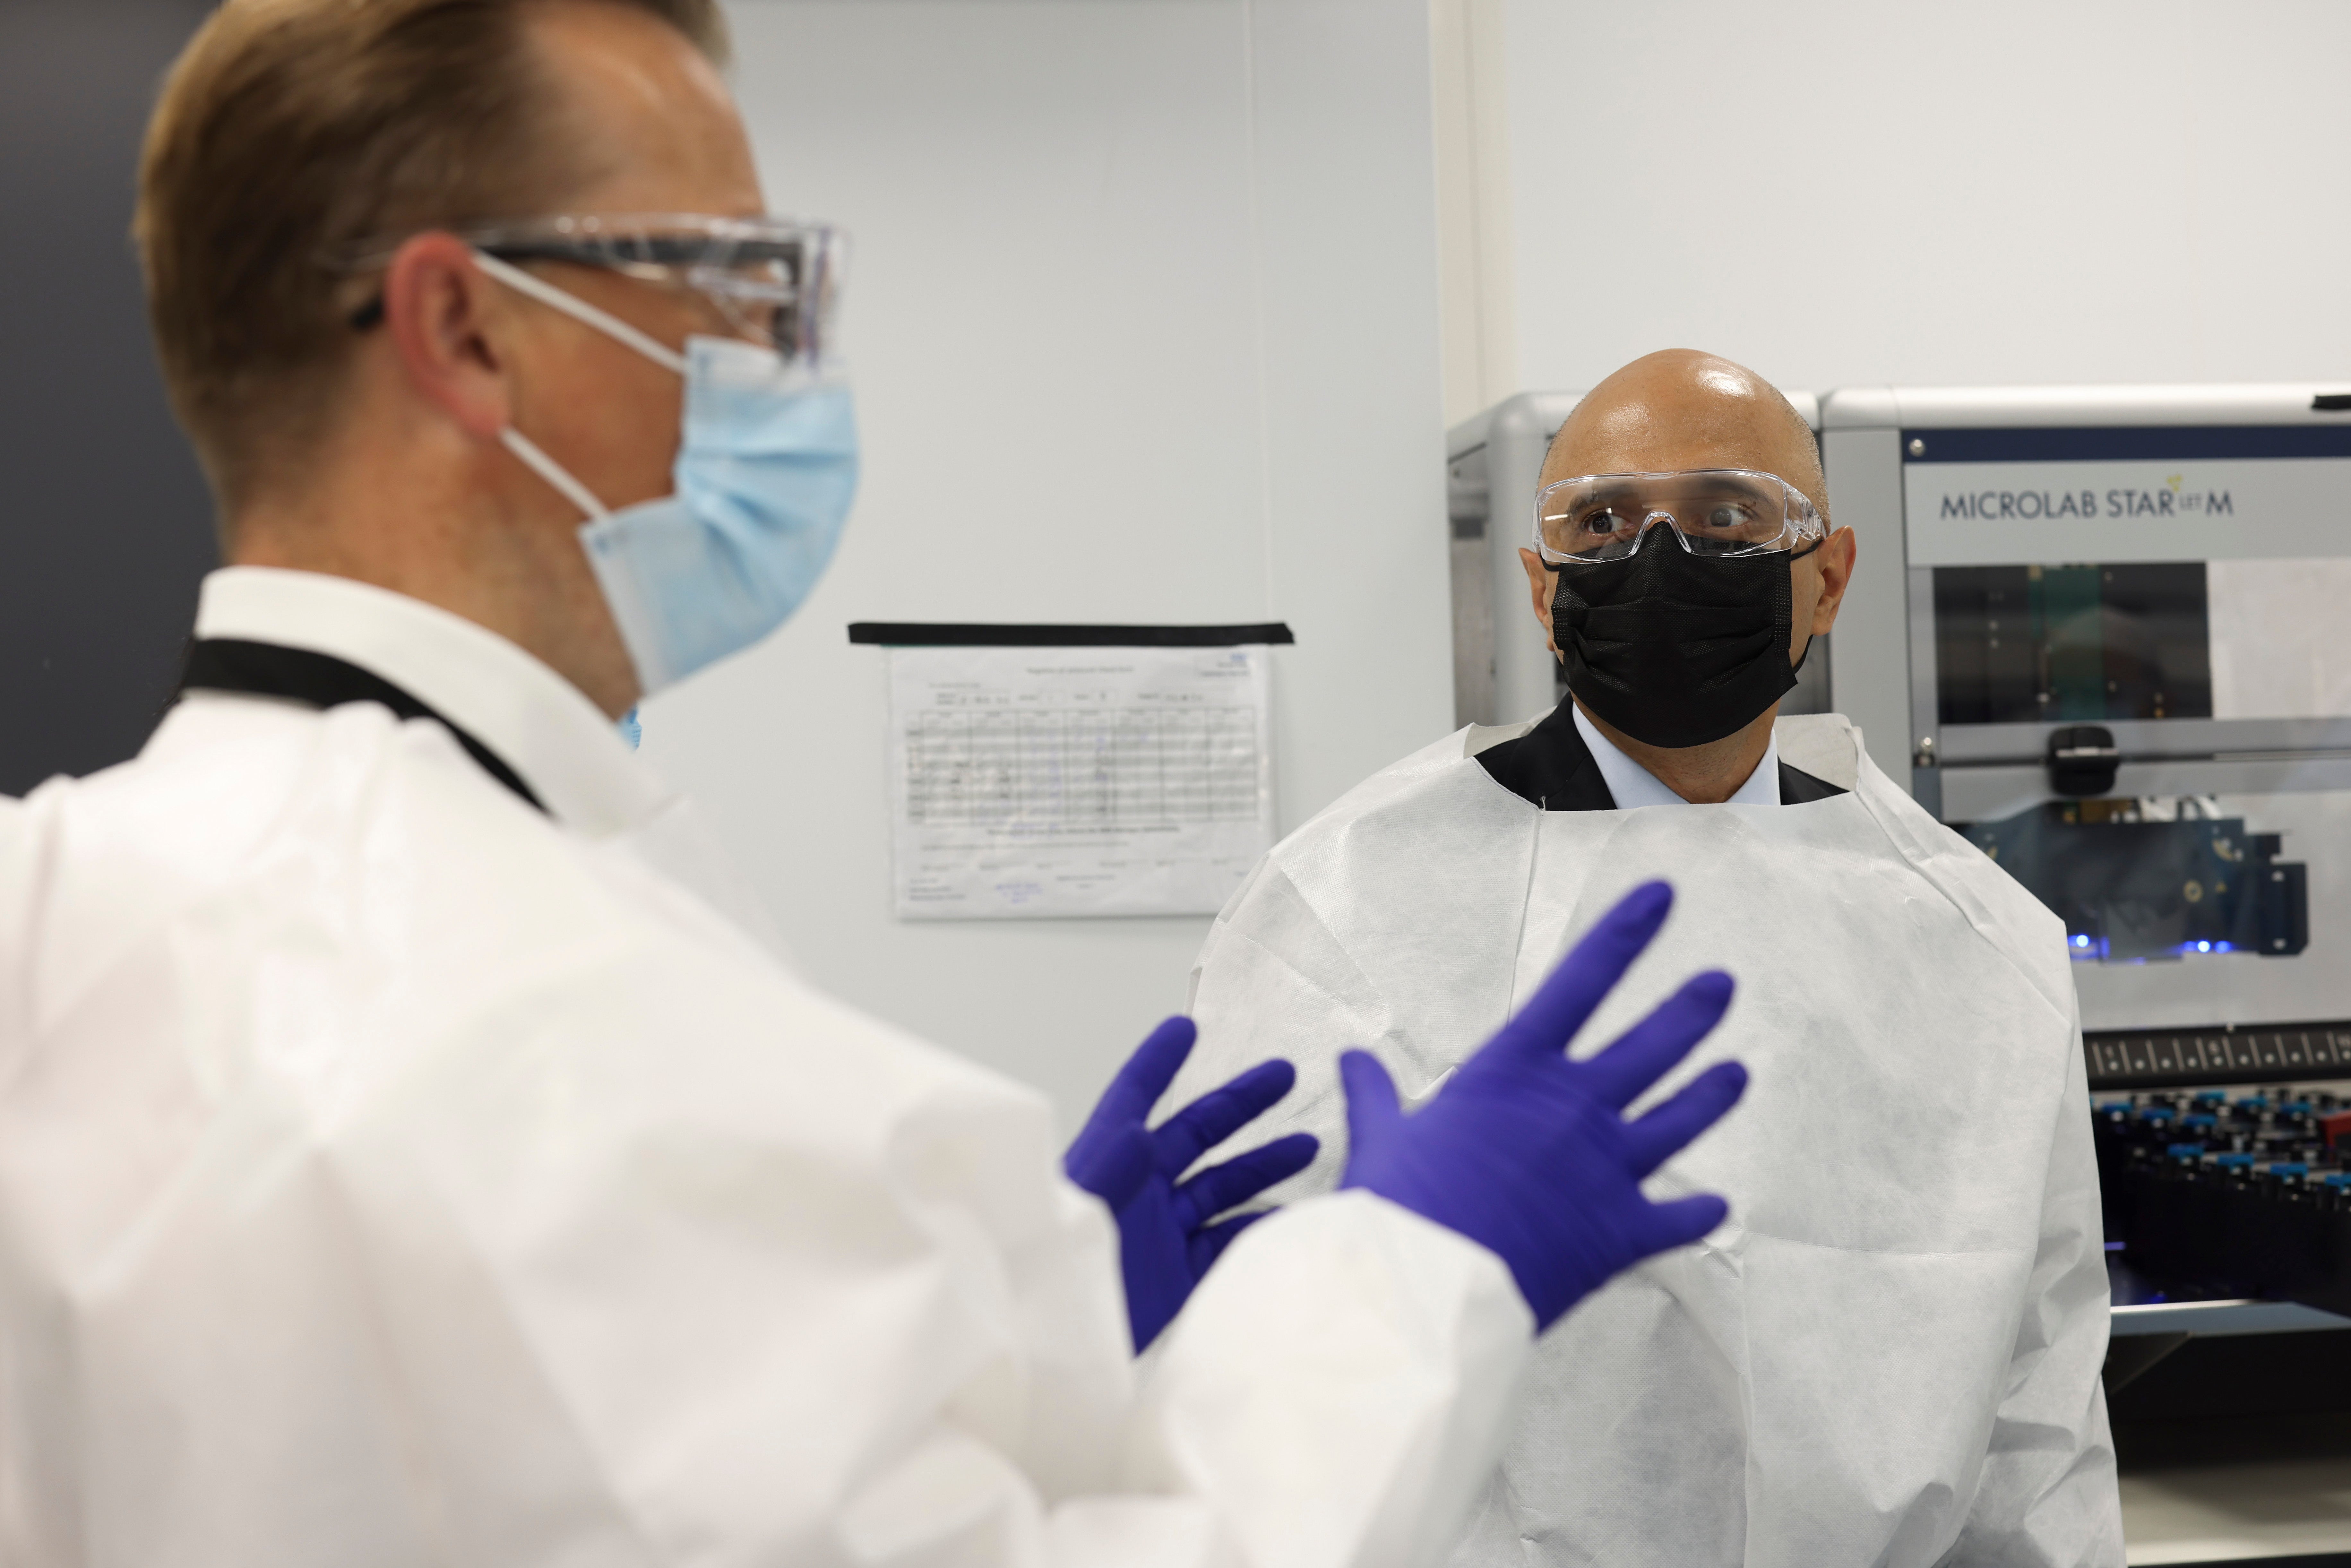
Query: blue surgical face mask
(765, 474)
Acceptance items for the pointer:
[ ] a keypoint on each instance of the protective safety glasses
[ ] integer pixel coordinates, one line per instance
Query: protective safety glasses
(1718, 512)
(773, 281)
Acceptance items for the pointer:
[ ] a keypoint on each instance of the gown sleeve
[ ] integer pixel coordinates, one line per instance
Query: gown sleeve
(1334, 1395)
(831, 1301)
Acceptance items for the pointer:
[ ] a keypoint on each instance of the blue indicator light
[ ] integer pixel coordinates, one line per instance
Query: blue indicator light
(2081, 941)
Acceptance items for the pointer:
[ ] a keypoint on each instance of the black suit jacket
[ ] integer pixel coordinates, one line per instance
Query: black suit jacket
(1550, 765)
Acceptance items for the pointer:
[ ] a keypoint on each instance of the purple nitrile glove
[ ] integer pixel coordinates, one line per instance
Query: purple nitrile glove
(1165, 1243)
(1528, 1152)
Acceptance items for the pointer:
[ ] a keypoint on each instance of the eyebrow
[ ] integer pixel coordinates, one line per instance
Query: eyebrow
(1613, 493)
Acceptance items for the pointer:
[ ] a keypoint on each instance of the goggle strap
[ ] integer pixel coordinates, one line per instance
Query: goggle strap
(578, 309)
(682, 254)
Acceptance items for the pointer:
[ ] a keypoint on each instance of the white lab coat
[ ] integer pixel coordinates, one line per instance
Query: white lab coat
(1890, 1353)
(391, 1173)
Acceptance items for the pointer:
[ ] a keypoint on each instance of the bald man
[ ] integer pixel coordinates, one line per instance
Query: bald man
(1890, 1352)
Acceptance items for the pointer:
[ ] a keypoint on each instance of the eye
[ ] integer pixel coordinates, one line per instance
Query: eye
(1727, 517)
(1604, 520)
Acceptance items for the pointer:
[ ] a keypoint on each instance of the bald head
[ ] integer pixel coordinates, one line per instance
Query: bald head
(1679, 409)
(1672, 413)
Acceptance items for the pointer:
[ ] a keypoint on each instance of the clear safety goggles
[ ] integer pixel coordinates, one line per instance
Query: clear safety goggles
(1718, 512)
(773, 281)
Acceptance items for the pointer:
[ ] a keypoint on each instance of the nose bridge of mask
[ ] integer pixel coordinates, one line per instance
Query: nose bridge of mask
(1664, 596)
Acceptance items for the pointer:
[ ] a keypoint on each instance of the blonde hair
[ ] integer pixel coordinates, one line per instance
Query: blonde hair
(289, 131)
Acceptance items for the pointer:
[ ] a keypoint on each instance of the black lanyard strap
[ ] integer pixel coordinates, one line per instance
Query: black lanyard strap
(323, 680)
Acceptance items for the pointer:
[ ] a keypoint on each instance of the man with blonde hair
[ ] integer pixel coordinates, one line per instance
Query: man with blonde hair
(408, 1151)
(1891, 1354)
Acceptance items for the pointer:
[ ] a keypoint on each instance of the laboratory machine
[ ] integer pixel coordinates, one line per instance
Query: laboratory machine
(2102, 633)
(2099, 631)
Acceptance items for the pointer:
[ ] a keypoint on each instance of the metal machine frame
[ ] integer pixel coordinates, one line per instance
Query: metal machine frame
(1887, 672)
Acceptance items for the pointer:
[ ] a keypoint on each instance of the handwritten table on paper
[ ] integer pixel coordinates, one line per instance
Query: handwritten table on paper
(1030, 782)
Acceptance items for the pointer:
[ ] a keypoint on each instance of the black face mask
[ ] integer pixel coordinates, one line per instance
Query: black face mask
(1672, 649)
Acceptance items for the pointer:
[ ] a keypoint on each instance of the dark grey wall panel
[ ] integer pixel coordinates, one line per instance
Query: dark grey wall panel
(105, 526)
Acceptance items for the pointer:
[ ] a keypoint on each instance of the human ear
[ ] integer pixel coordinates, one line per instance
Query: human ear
(439, 310)
(1836, 558)
(1539, 585)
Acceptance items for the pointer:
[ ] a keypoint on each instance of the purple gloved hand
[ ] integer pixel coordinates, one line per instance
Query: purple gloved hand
(1527, 1154)
(1165, 1240)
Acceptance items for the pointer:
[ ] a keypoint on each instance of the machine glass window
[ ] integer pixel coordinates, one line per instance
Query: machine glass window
(2030, 644)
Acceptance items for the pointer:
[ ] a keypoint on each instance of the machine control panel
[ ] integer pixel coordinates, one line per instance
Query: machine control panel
(2187, 1057)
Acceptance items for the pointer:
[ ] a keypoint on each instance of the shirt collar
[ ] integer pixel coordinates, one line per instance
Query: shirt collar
(539, 723)
(1631, 786)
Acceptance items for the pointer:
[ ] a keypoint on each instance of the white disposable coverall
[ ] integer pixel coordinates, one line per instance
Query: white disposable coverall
(1890, 1353)
(391, 1173)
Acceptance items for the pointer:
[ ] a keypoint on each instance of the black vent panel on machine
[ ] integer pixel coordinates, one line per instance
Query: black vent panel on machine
(2254, 1053)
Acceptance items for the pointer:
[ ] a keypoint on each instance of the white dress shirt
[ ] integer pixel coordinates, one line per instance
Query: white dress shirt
(1632, 786)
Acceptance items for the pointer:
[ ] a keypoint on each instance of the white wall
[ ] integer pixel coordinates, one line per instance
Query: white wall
(1842, 192)
(1143, 310)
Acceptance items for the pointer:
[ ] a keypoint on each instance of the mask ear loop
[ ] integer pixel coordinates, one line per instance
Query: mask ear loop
(549, 469)
(580, 310)
(532, 456)
(1810, 639)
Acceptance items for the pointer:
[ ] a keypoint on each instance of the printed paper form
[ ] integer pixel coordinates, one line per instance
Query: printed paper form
(1030, 782)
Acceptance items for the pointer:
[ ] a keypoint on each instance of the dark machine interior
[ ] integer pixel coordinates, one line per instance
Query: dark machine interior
(2131, 888)
(2211, 1194)
(2028, 644)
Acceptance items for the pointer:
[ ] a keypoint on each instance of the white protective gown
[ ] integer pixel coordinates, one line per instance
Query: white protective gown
(1890, 1353)
(391, 1173)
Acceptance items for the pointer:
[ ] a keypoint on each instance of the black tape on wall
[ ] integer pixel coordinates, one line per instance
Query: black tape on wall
(952, 634)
